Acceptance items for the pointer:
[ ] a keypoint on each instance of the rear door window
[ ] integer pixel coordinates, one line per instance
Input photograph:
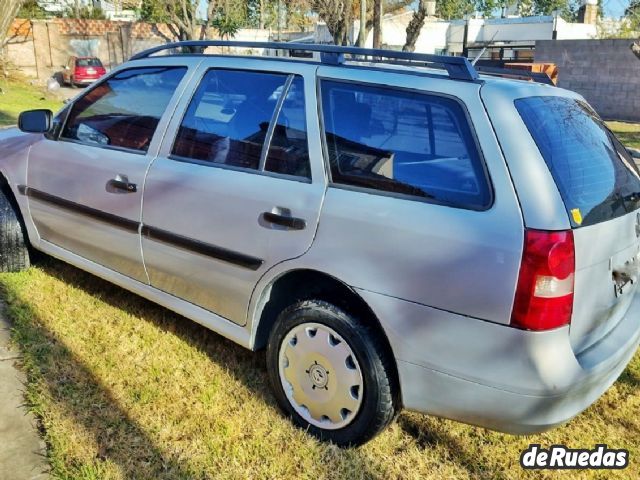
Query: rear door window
(124, 110)
(228, 118)
(597, 178)
(402, 142)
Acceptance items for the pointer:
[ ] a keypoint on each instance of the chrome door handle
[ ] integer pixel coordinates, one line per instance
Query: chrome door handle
(292, 223)
(122, 183)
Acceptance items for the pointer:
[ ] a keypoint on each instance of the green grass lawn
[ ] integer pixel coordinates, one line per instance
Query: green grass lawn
(628, 133)
(125, 389)
(20, 96)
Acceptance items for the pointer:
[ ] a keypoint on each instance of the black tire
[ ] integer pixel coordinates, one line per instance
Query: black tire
(14, 247)
(380, 397)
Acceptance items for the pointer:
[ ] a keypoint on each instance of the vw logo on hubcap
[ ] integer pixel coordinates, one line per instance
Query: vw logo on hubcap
(319, 375)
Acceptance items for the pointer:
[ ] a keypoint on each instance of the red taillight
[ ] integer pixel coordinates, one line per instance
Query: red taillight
(544, 297)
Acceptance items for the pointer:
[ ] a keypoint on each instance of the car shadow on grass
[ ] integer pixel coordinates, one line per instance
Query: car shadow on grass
(428, 434)
(6, 118)
(76, 395)
(89, 403)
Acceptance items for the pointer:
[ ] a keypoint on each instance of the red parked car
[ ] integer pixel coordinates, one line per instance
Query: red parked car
(82, 71)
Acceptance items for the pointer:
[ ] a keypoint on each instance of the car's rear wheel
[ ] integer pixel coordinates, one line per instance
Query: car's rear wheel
(330, 373)
(14, 250)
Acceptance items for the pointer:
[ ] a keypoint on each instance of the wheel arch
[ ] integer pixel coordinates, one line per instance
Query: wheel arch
(301, 284)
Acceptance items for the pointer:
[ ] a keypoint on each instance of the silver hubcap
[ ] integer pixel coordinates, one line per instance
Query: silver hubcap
(320, 376)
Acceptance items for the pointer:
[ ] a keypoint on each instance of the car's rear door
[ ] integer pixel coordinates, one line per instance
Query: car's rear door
(238, 184)
(85, 181)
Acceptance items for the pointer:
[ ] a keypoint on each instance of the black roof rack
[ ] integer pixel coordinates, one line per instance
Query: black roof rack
(538, 77)
(458, 68)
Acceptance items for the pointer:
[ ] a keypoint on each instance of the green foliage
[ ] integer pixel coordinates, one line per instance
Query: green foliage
(633, 14)
(153, 11)
(86, 13)
(452, 9)
(32, 10)
(547, 7)
(226, 26)
(487, 7)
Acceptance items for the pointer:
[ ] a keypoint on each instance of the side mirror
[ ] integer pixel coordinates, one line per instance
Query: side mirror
(35, 121)
(635, 153)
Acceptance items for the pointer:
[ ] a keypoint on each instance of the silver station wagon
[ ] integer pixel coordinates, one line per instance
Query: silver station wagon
(396, 229)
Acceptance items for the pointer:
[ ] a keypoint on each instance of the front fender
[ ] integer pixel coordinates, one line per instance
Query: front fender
(14, 158)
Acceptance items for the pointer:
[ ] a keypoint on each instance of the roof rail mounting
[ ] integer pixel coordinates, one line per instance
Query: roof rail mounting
(538, 77)
(458, 68)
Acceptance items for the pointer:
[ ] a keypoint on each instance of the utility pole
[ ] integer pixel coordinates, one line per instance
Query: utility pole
(278, 20)
(362, 34)
(377, 23)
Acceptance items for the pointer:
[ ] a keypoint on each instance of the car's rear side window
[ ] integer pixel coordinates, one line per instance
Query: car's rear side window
(403, 142)
(124, 110)
(596, 176)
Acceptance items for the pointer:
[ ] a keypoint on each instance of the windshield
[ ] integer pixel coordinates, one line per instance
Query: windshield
(597, 178)
(88, 62)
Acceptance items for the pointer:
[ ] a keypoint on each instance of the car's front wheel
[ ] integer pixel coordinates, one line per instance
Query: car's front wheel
(330, 372)
(14, 249)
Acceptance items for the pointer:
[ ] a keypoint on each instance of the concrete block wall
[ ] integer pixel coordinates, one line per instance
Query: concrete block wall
(605, 72)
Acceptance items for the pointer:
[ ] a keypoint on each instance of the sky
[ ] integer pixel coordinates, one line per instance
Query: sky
(615, 8)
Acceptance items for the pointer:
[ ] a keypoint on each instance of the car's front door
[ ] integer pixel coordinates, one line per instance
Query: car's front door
(84, 183)
(238, 184)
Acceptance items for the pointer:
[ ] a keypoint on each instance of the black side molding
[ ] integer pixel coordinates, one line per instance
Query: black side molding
(152, 233)
(206, 249)
(93, 213)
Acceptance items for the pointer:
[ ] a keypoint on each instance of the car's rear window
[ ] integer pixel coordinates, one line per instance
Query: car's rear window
(88, 62)
(597, 178)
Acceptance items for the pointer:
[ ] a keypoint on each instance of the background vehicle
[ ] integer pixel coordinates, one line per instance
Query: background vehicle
(81, 71)
(395, 236)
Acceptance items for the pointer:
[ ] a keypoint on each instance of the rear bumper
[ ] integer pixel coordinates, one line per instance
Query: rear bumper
(495, 376)
(85, 80)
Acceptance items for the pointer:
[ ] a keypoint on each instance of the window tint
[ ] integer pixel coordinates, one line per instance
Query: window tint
(124, 110)
(595, 175)
(88, 62)
(288, 152)
(402, 142)
(228, 119)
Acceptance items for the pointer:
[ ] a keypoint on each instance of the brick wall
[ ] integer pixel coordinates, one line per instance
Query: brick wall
(605, 72)
(40, 48)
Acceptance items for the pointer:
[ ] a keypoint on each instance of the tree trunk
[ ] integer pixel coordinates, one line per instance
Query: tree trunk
(362, 34)
(377, 23)
(7, 14)
(415, 26)
(347, 21)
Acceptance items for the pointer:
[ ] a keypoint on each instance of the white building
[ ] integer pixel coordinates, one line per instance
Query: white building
(113, 10)
(509, 38)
